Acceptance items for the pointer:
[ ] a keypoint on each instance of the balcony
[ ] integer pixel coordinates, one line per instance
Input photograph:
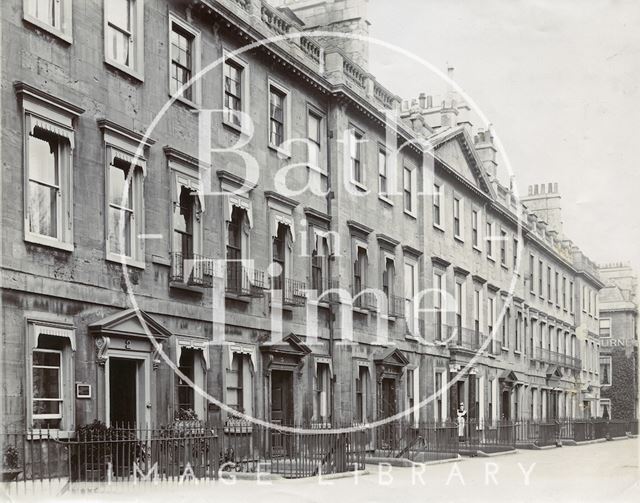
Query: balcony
(365, 299)
(245, 282)
(293, 293)
(194, 270)
(553, 357)
(395, 306)
(458, 337)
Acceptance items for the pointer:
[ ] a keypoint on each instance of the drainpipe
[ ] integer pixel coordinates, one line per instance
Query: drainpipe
(329, 198)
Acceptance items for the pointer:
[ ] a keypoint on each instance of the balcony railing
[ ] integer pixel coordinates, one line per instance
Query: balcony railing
(461, 337)
(395, 306)
(365, 298)
(311, 48)
(194, 270)
(548, 356)
(245, 282)
(274, 20)
(293, 292)
(354, 73)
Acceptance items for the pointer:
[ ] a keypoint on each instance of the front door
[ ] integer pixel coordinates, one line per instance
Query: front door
(123, 376)
(281, 408)
(388, 398)
(391, 434)
(506, 402)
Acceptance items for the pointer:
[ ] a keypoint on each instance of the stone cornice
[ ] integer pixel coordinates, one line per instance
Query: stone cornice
(387, 241)
(359, 228)
(107, 125)
(23, 89)
(177, 155)
(410, 250)
(440, 262)
(318, 216)
(284, 200)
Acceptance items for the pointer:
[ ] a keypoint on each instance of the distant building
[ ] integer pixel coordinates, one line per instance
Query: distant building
(619, 342)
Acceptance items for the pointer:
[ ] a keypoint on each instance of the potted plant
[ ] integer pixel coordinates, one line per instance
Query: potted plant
(186, 420)
(10, 465)
(99, 448)
(92, 452)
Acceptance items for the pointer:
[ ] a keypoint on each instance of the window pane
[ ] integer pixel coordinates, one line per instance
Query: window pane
(43, 160)
(118, 46)
(120, 14)
(41, 358)
(44, 176)
(47, 11)
(118, 185)
(355, 145)
(119, 223)
(119, 31)
(46, 407)
(314, 128)
(46, 382)
(43, 210)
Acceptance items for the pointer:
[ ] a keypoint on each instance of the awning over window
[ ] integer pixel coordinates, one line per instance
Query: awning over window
(323, 359)
(67, 333)
(279, 218)
(49, 127)
(116, 154)
(243, 349)
(192, 344)
(238, 202)
(194, 185)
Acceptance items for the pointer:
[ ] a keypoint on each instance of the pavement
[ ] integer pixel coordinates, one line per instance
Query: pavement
(607, 471)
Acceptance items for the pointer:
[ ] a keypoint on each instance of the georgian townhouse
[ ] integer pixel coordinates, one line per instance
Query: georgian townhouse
(275, 229)
(136, 249)
(519, 347)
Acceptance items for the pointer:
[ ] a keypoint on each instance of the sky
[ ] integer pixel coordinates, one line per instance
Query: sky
(560, 82)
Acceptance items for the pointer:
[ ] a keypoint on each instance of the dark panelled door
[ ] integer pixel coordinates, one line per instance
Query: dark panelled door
(122, 391)
(388, 397)
(281, 407)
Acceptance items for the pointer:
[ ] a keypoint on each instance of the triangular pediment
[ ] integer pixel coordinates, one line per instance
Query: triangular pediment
(454, 149)
(392, 356)
(291, 344)
(554, 373)
(509, 376)
(129, 323)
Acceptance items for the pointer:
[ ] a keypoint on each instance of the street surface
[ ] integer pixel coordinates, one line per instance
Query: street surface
(605, 471)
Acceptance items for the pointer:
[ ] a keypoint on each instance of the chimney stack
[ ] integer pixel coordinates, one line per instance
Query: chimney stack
(341, 16)
(545, 201)
(487, 151)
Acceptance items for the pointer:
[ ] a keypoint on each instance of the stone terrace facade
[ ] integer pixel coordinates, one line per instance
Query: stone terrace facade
(315, 317)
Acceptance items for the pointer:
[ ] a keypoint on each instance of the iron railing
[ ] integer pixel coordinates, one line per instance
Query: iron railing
(487, 436)
(395, 306)
(419, 442)
(581, 430)
(245, 282)
(461, 337)
(538, 433)
(365, 298)
(102, 455)
(248, 447)
(292, 292)
(193, 270)
(548, 356)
